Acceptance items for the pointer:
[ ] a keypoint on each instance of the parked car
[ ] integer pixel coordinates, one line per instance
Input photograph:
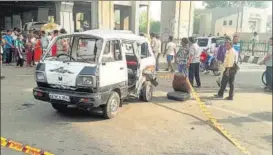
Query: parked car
(209, 43)
(32, 26)
(98, 68)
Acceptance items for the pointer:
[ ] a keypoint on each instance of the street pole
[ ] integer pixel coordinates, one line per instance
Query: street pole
(189, 26)
(178, 25)
(148, 19)
(238, 13)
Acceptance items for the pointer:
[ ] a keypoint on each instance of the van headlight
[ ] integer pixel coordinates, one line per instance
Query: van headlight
(40, 77)
(85, 81)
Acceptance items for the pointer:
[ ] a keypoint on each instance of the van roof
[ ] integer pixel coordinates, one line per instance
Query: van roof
(113, 34)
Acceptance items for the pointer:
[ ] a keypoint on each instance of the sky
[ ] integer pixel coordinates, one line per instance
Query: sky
(156, 8)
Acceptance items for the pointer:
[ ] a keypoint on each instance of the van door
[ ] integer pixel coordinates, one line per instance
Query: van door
(147, 63)
(112, 68)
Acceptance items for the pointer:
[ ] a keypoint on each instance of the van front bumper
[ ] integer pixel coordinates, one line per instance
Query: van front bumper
(84, 99)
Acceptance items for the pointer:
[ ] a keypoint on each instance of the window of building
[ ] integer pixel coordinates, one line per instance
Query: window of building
(225, 22)
(230, 22)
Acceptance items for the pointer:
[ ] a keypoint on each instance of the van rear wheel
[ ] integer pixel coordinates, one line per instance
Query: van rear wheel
(110, 110)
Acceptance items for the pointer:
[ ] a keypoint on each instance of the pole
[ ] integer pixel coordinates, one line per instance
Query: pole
(238, 13)
(189, 26)
(178, 25)
(148, 19)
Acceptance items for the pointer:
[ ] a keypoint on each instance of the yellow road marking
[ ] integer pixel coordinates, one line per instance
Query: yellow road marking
(212, 119)
(22, 148)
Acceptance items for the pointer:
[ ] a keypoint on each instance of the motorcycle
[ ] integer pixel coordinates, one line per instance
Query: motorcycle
(209, 63)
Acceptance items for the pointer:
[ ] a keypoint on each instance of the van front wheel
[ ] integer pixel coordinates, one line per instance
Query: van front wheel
(110, 110)
(147, 92)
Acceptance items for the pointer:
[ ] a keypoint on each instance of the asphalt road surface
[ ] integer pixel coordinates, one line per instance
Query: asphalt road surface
(161, 127)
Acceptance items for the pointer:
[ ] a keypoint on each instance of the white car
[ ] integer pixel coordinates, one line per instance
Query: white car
(209, 43)
(96, 68)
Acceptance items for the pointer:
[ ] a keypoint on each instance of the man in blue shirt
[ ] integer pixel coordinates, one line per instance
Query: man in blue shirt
(8, 45)
(237, 47)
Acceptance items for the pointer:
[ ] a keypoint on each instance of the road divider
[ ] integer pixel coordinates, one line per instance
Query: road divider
(22, 148)
(213, 121)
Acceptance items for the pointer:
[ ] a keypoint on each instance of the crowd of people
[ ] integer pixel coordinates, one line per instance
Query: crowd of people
(187, 59)
(25, 50)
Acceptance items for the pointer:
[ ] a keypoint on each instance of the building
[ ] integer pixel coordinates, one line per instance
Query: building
(96, 14)
(231, 20)
(179, 22)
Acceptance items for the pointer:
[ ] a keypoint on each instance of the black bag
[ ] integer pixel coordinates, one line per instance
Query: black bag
(235, 68)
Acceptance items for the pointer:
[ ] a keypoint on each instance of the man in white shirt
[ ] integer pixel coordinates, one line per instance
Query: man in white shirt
(194, 62)
(171, 52)
(229, 73)
(157, 51)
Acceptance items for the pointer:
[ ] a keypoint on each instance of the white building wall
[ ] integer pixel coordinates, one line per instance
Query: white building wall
(254, 14)
(228, 29)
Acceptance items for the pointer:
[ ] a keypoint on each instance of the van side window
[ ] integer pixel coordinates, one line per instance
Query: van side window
(112, 51)
(144, 50)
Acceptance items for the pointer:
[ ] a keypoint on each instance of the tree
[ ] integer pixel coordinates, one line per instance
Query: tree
(154, 25)
(219, 4)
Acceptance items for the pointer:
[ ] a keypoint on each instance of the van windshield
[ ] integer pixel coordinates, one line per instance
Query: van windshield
(74, 48)
(202, 42)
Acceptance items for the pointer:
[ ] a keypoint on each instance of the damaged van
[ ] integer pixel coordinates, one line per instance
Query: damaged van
(96, 69)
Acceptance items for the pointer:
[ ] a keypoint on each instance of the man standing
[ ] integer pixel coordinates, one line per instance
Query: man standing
(268, 62)
(229, 73)
(8, 46)
(157, 51)
(44, 40)
(237, 48)
(171, 52)
(194, 62)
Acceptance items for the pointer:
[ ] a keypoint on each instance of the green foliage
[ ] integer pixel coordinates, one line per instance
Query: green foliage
(219, 4)
(154, 25)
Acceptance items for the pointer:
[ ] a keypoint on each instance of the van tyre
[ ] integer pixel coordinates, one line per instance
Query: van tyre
(147, 92)
(110, 110)
(59, 107)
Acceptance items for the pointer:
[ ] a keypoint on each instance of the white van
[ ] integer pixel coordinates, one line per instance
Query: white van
(96, 68)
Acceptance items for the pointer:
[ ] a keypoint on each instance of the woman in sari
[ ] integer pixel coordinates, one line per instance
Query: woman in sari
(37, 50)
(29, 52)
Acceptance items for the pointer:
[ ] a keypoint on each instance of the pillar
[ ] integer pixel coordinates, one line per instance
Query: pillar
(102, 15)
(125, 13)
(43, 14)
(64, 15)
(94, 15)
(134, 25)
(170, 19)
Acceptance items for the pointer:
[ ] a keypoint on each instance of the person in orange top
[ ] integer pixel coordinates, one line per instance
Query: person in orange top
(37, 50)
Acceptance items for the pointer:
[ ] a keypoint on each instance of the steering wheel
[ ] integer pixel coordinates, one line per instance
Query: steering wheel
(64, 54)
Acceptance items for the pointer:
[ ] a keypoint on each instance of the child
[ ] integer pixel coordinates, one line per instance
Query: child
(19, 47)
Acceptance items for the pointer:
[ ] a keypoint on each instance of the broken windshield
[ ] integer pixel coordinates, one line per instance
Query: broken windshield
(74, 48)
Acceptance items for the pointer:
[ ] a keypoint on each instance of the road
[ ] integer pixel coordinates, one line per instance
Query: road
(160, 127)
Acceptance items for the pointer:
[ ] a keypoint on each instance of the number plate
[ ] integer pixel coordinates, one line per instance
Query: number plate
(59, 97)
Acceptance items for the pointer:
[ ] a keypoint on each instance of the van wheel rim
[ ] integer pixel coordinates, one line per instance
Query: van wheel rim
(113, 105)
